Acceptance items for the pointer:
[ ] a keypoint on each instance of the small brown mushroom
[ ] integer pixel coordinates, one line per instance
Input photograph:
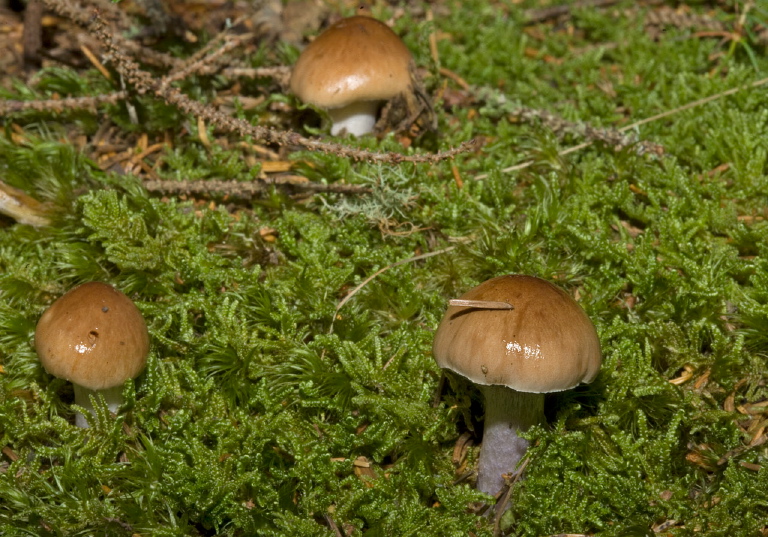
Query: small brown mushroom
(350, 69)
(543, 343)
(95, 337)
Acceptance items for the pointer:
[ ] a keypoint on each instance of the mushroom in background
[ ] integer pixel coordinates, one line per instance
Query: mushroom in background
(95, 337)
(543, 342)
(351, 69)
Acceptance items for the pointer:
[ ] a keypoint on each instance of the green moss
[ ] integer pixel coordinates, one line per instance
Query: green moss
(265, 410)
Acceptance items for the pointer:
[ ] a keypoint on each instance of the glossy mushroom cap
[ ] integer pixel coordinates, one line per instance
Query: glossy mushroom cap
(93, 336)
(545, 344)
(356, 60)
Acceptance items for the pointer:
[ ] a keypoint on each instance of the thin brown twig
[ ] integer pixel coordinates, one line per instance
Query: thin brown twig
(119, 18)
(145, 83)
(535, 16)
(199, 63)
(560, 126)
(666, 16)
(641, 122)
(433, 50)
(463, 84)
(506, 498)
(203, 61)
(150, 56)
(96, 62)
(332, 524)
(81, 15)
(239, 189)
(281, 73)
(60, 105)
(32, 34)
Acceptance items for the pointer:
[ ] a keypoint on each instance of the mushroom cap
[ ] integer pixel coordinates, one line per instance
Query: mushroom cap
(356, 59)
(545, 344)
(93, 336)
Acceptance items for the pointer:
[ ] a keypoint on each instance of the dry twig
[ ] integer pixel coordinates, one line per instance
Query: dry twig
(656, 20)
(81, 15)
(281, 73)
(535, 16)
(641, 122)
(61, 105)
(145, 83)
(560, 126)
(505, 497)
(204, 59)
(332, 524)
(239, 189)
(32, 35)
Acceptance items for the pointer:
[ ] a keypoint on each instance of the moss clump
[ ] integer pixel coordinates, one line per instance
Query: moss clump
(268, 410)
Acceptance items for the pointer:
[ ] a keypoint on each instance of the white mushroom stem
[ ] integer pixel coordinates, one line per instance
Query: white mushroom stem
(358, 118)
(112, 396)
(507, 412)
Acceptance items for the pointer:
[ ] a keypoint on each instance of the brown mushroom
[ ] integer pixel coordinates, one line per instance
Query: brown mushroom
(350, 69)
(544, 342)
(95, 337)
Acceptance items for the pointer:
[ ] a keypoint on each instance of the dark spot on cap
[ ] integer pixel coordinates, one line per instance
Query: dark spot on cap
(105, 309)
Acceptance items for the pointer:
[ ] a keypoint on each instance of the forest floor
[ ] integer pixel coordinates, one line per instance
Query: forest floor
(292, 281)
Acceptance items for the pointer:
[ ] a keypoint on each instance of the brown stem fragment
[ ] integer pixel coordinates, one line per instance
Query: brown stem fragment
(32, 35)
(241, 190)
